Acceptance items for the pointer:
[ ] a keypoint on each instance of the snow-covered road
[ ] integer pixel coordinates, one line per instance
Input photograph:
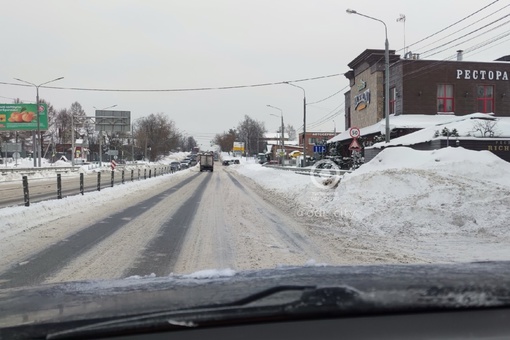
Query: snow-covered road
(434, 207)
(178, 223)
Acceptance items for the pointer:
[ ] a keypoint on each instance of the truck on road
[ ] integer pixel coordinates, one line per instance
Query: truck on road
(206, 161)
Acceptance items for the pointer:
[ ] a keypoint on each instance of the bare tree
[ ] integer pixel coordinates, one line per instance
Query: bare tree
(250, 132)
(156, 135)
(225, 140)
(486, 127)
(289, 129)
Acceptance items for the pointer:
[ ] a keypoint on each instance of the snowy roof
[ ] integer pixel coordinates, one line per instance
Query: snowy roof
(465, 126)
(279, 141)
(276, 135)
(405, 121)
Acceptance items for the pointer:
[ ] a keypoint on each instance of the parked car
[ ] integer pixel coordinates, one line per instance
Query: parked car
(175, 166)
(184, 164)
(226, 162)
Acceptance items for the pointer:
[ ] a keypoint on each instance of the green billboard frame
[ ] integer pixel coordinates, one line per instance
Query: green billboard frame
(23, 117)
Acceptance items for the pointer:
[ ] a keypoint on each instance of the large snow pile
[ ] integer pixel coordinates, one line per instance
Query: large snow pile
(406, 192)
(451, 190)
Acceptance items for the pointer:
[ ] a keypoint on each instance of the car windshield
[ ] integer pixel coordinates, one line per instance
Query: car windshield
(209, 139)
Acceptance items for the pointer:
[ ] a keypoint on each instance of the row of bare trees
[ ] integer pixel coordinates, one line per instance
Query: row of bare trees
(153, 136)
(249, 131)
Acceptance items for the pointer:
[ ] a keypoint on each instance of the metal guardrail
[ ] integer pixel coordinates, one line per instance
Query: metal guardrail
(30, 170)
(306, 171)
(94, 182)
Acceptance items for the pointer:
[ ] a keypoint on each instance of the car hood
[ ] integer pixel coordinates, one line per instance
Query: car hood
(463, 285)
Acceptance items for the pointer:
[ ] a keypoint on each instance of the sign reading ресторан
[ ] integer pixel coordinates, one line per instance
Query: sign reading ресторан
(482, 75)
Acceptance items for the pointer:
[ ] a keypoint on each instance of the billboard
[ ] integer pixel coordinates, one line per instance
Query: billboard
(239, 146)
(17, 117)
(114, 121)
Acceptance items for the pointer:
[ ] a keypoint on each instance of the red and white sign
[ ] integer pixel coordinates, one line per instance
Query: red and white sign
(354, 132)
(355, 145)
(114, 164)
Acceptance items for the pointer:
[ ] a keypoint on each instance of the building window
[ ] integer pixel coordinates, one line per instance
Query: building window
(393, 100)
(485, 98)
(312, 140)
(445, 98)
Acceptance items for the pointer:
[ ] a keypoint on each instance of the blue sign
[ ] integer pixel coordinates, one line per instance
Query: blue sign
(319, 148)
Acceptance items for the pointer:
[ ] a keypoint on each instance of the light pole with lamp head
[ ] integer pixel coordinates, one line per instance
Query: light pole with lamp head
(100, 137)
(39, 137)
(386, 72)
(304, 121)
(282, 131)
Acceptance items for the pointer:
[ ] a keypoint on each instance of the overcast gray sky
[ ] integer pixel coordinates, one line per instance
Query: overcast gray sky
(170, 44)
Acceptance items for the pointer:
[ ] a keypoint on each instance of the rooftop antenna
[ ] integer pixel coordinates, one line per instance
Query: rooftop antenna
(402, 18)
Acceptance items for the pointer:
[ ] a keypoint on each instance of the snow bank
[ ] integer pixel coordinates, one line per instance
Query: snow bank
(405, 193)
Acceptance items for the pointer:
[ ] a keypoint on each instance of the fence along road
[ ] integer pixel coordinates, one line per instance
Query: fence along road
(41, 189)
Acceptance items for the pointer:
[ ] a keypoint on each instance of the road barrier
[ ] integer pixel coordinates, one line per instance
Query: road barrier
(61, 191)
(25, 191)
(307, 171)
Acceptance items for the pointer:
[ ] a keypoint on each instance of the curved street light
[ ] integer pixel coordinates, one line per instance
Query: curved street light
(386, 71)
(39, 137)
(304, 120)
(282, 131)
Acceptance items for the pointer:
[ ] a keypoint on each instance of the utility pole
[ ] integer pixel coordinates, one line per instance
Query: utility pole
(38, 147)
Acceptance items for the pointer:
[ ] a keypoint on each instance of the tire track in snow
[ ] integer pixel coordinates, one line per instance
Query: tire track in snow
(42, 265)
(161, 254)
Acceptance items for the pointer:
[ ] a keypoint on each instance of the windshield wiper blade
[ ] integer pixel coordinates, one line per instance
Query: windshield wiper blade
(169, 319)
(312, 299)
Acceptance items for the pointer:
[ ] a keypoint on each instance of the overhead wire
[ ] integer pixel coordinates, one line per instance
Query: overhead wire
(181, 89)
(467, 34)
(451, 25)
(465, 27)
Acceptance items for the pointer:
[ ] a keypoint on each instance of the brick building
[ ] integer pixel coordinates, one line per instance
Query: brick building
(425, 87)
(314, 138)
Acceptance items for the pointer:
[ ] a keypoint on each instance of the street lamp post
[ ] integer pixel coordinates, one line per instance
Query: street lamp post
(39, 137)
(100, 137)
(386, 72)
(282, 132)
(304, 121)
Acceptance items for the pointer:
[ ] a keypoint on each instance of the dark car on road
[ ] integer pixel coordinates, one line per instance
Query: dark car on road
(175, 166)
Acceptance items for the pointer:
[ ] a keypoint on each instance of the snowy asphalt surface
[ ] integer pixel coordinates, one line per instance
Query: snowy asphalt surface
(248, 217)
(190, 222)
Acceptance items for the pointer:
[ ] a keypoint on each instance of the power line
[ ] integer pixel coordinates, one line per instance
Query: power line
(465, 27)
(455, 23)
(416, 73)
(471, 32)
(334, 94)
(181, 89)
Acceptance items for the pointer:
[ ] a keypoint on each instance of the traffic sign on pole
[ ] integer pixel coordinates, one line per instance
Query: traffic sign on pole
(354, 132)
(355, 145)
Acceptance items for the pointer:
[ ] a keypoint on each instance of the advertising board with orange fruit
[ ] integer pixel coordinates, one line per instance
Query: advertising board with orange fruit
(15, 117)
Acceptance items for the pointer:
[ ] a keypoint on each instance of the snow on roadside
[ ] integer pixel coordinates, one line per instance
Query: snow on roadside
(19, 219)
(412, 197)
(446, 191)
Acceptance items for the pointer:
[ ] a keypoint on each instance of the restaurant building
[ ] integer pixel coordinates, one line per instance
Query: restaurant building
(418, 88)
(451, 87)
